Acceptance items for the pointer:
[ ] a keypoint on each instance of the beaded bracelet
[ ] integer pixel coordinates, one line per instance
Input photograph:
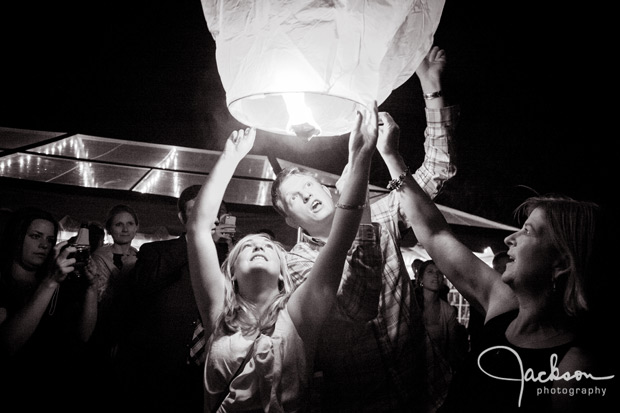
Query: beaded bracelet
(347, 206)
(396, 183)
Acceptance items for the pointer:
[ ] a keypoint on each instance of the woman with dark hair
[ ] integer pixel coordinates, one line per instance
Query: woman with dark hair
(45, 319)
(448, 338)
(440, 317)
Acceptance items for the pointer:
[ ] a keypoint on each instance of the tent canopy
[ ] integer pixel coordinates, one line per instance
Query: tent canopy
(80, 168)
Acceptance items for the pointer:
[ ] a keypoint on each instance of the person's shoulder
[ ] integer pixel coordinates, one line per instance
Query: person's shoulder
(104, 250)
(500, 321)
(163, 247)
(502, 300)
(583, 359)
(448, 309)
(299, 245)
(162, 244)
(307, 243)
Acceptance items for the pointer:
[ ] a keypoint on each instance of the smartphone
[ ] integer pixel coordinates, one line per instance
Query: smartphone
(229, 220)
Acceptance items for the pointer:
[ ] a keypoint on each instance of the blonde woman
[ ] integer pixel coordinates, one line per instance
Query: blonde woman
(261, 352)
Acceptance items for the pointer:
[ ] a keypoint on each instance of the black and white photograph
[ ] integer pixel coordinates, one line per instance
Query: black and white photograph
(307, 206)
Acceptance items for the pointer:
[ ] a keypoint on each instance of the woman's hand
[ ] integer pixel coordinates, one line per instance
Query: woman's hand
(363, 137)
(432, 66)
(62, 264)
(389, 135)
(240, 143)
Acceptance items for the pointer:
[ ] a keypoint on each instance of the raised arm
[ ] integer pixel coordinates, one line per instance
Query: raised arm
(475, 280)
(312, 301)
(207, 279)
(438, 165)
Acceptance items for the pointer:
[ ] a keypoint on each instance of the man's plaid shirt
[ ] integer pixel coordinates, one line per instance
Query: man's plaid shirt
(374, 358)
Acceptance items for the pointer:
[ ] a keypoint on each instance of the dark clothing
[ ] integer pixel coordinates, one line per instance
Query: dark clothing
(153, 355)
(47, 373)
(474, 329)
(476, 391)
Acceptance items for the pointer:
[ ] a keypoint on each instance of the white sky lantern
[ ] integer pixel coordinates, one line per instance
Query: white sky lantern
(303, 67)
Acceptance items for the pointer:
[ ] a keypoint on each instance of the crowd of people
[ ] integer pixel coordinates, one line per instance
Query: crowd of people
(207, 322)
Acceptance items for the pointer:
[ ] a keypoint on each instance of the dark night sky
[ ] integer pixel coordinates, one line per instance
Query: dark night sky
(145, 71)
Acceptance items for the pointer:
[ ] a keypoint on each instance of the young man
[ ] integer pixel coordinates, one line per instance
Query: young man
(376, 365)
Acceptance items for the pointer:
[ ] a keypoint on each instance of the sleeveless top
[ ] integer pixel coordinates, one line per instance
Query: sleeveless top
(477, 391)
(275, 377)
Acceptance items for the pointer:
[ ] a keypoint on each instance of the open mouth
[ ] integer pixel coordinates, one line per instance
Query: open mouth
(259, 258)
(510, 260)
(316, 204)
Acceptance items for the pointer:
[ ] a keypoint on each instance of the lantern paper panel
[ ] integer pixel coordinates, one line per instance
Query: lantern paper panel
(304, 67)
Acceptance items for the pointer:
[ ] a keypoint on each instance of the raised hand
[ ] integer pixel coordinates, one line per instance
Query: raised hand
(389, 135)
(432, 66)
(62, 265)
(240, 143)
(363, 137)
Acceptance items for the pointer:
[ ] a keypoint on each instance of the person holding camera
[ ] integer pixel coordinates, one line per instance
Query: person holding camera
(45, 318)
(159, 371)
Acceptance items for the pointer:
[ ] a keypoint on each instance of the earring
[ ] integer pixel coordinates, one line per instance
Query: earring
(553, 288)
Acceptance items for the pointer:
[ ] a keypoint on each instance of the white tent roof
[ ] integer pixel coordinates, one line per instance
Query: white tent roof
(99, 162)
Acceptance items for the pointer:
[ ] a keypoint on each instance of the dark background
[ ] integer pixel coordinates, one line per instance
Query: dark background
(528, 79)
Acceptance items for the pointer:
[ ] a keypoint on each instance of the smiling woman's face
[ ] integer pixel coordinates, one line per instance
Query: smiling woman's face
(256, 262)
(124, 228)
(533, 255)
(258, 252)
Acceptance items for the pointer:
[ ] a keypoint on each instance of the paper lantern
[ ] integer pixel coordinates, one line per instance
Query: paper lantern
(304, 66)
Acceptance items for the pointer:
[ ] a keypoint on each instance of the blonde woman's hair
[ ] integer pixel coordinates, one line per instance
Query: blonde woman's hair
(239, 314)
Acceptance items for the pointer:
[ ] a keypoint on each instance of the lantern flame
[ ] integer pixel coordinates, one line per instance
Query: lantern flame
(300, 119)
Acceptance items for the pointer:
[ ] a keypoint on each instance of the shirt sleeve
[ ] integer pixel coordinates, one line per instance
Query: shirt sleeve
(102, 273)
(300, 260)
(438, 166)
(360, 286)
